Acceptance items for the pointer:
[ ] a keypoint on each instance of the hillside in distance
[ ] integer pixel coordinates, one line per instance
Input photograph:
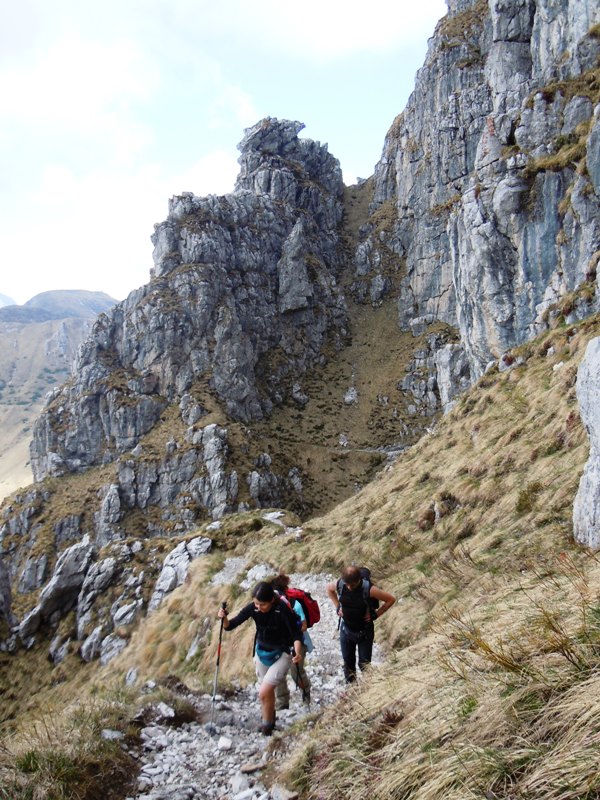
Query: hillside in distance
(38, 342)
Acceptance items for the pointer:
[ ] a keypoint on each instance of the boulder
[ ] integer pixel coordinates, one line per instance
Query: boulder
(586, 508)
(175, 568)
(59, 596)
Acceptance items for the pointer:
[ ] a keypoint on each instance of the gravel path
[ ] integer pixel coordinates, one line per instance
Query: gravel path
(188, 763)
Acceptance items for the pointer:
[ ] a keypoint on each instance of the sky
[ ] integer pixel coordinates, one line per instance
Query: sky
(108, 109)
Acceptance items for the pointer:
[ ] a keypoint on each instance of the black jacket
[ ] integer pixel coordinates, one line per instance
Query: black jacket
(278, 629)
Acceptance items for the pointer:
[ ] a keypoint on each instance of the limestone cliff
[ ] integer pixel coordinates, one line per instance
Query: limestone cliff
(489, 178)
(242, 300)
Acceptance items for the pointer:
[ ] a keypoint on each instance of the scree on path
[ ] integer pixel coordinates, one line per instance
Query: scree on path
(226, 761)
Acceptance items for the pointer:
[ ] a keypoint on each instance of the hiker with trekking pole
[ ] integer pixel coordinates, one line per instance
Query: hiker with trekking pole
(357, 602)
(307, 610)
(278, 644)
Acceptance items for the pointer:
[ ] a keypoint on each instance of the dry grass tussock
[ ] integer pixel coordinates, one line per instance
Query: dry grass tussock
(63, 756)
(494, 645)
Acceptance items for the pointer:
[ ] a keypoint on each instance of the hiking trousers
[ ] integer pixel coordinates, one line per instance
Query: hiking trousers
(350, 646)
(276, 673)
(301, 680)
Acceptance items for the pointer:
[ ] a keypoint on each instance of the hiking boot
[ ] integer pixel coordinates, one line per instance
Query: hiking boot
(266, 728)
(283, 706)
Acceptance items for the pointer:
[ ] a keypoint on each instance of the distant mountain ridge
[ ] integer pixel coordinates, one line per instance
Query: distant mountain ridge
(38, 342)
(58, 304)
(5, 300)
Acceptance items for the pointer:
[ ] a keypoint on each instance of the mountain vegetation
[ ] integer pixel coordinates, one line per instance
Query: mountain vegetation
(403, 369)
(491, 650)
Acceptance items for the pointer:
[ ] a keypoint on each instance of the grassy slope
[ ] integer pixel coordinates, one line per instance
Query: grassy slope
(491, 684)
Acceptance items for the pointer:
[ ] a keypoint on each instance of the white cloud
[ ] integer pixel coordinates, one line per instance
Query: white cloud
(231, 103)
(93, 231)
(214, 173)
(74, 77)
(340, 28)
(312, 29)
(79, 94)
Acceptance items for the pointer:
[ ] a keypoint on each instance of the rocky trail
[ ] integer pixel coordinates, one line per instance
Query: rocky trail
(227, 761)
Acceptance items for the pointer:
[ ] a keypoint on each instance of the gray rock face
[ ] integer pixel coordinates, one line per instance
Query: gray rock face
(492, 218)
(107, 517)
(453, 373)
(98, 578)
(90, 649)
(237, 279)
(33, 575)
(5, 596)
(111, 647)
(586, 509)
(60, 594)
(175, 568)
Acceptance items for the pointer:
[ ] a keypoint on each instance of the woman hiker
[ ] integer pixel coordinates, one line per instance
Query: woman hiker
(278, 644)
(352, 597)
(281, 584)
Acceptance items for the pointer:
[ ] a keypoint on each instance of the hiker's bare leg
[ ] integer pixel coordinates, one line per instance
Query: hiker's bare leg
(266, 695)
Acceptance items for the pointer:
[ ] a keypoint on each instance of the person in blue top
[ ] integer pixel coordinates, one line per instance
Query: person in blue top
(278, 644)
(298, 674)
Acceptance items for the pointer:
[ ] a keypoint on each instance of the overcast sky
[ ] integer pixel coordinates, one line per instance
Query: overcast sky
(108, 108)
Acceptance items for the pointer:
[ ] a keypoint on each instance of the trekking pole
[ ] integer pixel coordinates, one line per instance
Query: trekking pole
(300, 685)
(210, 727)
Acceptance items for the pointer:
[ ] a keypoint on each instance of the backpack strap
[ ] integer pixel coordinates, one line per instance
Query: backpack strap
(366, 591)
(366, 588)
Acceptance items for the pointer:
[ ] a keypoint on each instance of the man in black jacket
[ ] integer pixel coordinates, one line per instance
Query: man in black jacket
(352, 596)
(278, 644)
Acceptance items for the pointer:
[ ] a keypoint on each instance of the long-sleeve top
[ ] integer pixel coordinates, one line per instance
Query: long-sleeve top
(276, 629)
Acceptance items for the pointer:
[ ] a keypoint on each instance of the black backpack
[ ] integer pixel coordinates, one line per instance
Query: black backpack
(371, 602)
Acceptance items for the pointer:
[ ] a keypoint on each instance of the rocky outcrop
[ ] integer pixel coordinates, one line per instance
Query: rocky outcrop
(107, 595)
(59, 596)
(175, 568)
(234, 278)
(243, 298)
(586, 509)
(484, 190)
